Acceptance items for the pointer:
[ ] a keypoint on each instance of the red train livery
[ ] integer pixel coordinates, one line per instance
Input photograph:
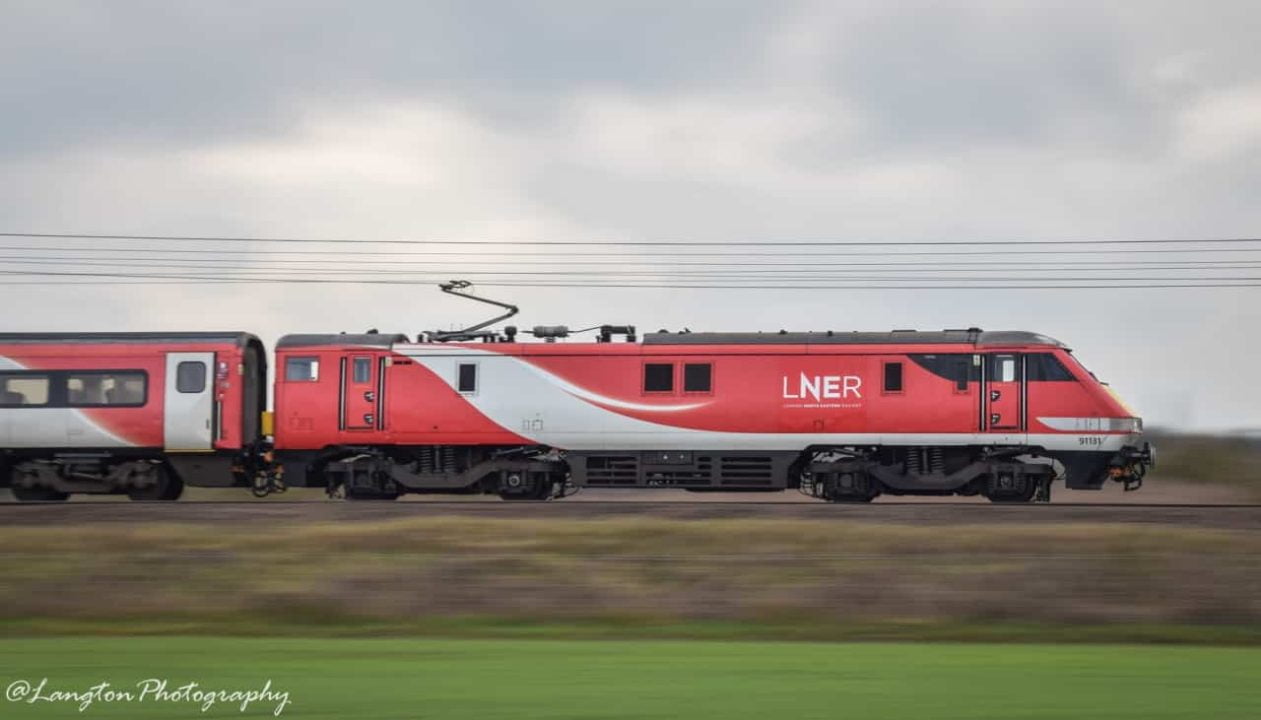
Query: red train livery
(127, 413)
(841, 416)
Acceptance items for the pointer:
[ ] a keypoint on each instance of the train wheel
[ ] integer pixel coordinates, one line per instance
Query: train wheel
(168, 488)
(535, 495)
(517, 486)
(373, 485)
(1021, 491)
(39, 494)
(851, 488)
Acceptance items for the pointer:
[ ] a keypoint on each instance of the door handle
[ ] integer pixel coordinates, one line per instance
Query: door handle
(995, 394)
(368, 418)
(370, 396)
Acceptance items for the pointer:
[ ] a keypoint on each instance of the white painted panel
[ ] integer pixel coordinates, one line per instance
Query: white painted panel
(37, 427)
(188, 417)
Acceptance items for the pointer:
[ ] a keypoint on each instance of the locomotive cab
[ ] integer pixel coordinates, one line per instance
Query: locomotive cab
(330, 392)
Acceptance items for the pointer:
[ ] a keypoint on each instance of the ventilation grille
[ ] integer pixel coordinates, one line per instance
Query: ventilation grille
(612, 470)
(748, 470)
(699, 473)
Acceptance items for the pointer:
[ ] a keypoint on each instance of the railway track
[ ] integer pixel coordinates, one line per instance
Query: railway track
(1246, 517)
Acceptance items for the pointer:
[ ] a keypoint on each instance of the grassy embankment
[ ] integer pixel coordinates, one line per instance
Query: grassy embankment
(638, 577)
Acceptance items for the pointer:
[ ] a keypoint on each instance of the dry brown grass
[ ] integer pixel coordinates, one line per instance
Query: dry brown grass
(663, 570)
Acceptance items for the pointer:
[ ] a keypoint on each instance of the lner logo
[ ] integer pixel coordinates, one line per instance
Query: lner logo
(823, 387)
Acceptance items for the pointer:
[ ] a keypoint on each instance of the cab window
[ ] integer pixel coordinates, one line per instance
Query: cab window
(302, 369)
(1003, 368)
(361, 371)
(1045, 367)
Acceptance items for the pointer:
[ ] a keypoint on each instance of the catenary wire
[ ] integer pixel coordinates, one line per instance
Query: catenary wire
(900, 282)
(229, 263)
(628, 243)
(499, 254)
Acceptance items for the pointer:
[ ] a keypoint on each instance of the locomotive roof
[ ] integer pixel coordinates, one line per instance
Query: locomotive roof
(896, 337)
(360, 339)
(971, 336)
(237, 337)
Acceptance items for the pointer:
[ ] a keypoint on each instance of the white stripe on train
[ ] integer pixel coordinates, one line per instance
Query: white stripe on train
(510, 393)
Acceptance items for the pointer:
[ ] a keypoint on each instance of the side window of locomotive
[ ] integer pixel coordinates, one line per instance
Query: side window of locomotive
(467, 380)
(658, 377)
(1046, 367)
(302, 369)
(23, 390)
(698, 377)
(961, 370)
(893, 377)
(957, 368)
(1003, 368)
(361, 371)
(190, 377)
(105, 389)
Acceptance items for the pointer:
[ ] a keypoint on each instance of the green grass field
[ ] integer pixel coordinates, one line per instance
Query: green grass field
(486, 679)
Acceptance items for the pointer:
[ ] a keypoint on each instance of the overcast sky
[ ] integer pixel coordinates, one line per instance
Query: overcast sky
(704, 121)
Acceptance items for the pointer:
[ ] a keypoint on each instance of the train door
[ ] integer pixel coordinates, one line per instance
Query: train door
(188, 413)
(1004, 392)
(362, 376)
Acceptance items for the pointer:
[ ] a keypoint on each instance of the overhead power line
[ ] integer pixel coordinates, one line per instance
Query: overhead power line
(673, 286)
(628, 243)
(465, 265)
(461, 255)
(697, 271)
(790, 265)
(887, 283)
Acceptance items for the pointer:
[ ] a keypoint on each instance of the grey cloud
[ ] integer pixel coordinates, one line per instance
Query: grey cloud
(933, 74)
(163, 71)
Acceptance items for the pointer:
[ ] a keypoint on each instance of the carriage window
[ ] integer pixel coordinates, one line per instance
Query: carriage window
(659, 377)
(1047, 368)
(302, 369)
(190, 377)
(893, 377)
(105, 389)
(362, 370)
(23, 390)
(468, 378)
(698, 377)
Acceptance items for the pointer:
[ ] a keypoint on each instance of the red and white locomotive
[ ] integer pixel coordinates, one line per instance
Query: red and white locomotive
(842, 416)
